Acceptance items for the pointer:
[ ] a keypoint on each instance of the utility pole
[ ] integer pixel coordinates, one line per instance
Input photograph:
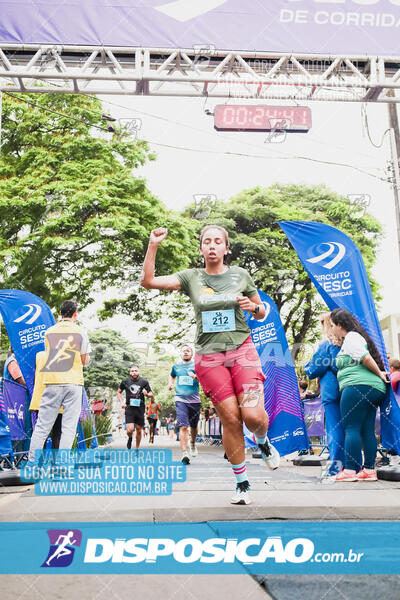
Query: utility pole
(1, 109)
(394, 135)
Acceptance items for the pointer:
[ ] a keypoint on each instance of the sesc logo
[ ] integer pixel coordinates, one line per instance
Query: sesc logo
(334, 248)
(191, 550)
(21, 412)
(62, 547)
(184, 10)
(32, 308)
(298, 431)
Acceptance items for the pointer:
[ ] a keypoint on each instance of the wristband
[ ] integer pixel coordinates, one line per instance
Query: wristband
(256, 310)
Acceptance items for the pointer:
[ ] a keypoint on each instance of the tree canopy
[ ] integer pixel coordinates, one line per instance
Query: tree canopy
(258, 244)
(73, 217)
(110, 359)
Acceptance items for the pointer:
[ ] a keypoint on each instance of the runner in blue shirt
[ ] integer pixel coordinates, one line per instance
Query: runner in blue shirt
(187, 401)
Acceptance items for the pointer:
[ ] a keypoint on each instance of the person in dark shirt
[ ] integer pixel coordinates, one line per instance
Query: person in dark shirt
(136, 388)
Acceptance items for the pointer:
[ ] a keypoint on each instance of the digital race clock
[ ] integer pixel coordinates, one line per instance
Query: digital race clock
(247, 117)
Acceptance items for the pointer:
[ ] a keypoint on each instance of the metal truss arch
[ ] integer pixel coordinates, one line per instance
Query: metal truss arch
(198, 72)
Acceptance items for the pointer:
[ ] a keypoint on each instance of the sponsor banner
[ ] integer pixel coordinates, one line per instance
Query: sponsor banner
(314, 417)
(17, 410)
(5, 436)
(309, 26)
(26, 318)
(104, 473)
(281, 391)
(336, 268)
(201, 548)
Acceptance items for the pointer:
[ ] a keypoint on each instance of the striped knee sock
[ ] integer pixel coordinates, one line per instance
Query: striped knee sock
(240, 472)
(262, 439)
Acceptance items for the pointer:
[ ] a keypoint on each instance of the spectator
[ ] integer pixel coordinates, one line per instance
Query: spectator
(306, 394)
(323, 366)
(394, 365)
(11, 371)
(67, 350)
(55, 433)
(362, 382)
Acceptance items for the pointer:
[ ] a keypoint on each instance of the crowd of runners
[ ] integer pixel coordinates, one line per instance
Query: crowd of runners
(227, 367)
(187, 405)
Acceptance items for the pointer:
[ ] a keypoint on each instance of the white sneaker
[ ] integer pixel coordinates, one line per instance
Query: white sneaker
(242, 493)
(193, 451)
(270, 455)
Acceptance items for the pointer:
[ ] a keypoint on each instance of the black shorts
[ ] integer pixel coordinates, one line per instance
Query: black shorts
(134, 414)
(152, 421)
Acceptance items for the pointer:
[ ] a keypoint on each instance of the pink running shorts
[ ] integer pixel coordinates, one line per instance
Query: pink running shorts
(230, 373)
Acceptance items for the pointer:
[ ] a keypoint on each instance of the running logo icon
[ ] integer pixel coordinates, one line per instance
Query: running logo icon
(63, 543)
(32, 308)
(62, 352)
(333, 247)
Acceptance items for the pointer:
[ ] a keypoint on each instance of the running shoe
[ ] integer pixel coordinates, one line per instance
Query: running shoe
(242, 493)
(129, 443)
(185, 458)
(366, 475)
(270, 455)
(193, 450)
(328, 475)
(346, 475)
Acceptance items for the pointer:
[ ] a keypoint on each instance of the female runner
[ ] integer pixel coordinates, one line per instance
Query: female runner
(153, 409)
(226, 362)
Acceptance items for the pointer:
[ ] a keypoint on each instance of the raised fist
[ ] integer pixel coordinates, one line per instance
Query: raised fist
(158, 235)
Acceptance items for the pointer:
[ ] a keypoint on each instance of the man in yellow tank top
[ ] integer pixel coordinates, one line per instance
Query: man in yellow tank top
(55, 433)
(67, 349)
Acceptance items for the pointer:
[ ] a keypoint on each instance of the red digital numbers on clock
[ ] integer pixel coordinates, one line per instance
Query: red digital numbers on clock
(261, 118)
